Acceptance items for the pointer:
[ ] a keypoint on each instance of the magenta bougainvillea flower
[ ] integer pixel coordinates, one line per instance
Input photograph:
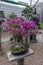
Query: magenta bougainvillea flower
(19, 26)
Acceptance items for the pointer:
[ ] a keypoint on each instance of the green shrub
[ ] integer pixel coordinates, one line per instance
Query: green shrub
(12, 15)
(41, 25)
(2, 14)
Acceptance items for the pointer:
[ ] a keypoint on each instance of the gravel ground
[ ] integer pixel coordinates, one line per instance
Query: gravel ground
(34, 59)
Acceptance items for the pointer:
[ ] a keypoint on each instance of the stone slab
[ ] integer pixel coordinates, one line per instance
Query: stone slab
(12, 57)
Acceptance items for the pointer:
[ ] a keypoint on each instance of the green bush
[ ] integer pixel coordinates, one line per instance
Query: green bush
(27, 12)
(2, 14)
(41, 25)
(12, 15)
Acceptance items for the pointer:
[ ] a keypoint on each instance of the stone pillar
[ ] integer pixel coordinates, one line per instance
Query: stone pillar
(20, 61)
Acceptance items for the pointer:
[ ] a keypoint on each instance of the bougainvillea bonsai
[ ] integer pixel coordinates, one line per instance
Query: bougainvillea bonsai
(20, 28)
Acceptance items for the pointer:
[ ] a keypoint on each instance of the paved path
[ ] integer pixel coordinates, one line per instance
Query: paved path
(40, 37)
(34, 59)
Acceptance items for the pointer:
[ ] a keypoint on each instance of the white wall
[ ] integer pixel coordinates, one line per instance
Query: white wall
(40, 11)
(8, 9)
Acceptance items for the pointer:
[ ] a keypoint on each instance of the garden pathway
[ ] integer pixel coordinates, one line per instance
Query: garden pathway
(34, 59)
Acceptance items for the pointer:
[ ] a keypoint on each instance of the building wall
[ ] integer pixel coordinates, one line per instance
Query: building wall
(39, 8)
(8, 9)
(18, 11)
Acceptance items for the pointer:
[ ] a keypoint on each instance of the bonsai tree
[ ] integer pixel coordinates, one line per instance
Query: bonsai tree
(12, 15)
(31, 15)
(1, 20)
(27, 12)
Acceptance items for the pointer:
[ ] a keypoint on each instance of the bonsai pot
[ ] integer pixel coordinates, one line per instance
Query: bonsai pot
(18, 49)
(33, 38)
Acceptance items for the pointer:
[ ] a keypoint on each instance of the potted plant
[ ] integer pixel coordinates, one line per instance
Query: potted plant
(20, 29)
(29, 13)
(35, 17)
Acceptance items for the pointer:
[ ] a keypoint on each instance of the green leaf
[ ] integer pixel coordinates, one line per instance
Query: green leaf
(12, 38)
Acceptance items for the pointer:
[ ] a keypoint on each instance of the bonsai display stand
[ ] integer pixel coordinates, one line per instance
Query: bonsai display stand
(19, 58)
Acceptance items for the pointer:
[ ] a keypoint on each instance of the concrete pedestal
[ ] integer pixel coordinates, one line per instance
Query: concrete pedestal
(12, 57)
(20, 61)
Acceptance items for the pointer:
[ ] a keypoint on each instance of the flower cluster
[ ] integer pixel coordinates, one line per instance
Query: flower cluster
(19, 26)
